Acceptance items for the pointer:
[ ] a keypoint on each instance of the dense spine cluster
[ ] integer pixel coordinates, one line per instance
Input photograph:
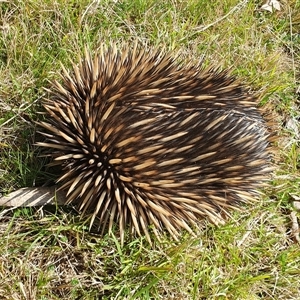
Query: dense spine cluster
(148, 140)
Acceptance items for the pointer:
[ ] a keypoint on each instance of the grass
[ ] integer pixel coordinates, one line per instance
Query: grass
(48, 253)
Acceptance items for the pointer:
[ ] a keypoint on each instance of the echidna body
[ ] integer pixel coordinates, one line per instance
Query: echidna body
(148, 140)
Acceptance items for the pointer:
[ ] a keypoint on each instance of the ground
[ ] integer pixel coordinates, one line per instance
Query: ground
(48, 253)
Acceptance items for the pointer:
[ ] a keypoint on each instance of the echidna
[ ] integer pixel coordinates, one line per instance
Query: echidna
(148, 139)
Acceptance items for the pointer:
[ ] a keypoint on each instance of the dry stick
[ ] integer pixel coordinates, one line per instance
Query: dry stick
(21, 196)
(33, 196)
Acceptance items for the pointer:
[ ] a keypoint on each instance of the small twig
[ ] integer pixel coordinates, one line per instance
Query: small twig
(235, 8)
(94, 3)
(21, 111)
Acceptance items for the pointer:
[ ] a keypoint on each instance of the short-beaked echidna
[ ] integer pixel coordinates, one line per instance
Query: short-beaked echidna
(148, 139)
